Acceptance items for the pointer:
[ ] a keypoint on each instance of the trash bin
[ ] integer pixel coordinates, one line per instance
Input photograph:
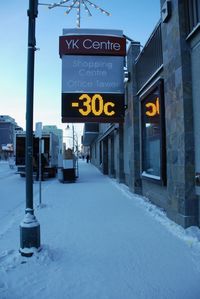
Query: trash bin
(68, 170)
(69, 175)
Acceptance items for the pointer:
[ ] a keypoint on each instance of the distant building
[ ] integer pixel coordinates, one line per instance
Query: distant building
(8, 127)
(7, 118)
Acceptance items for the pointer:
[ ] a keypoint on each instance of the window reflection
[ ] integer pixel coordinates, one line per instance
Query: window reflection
(151, 134)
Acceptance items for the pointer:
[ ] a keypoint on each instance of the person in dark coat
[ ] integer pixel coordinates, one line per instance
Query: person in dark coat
(88, 158)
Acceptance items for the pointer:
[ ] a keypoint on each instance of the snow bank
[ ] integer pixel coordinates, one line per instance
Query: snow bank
(190, 235)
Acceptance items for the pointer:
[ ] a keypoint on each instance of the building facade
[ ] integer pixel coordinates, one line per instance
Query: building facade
(8, 127)
(156, 151)
(58, 132)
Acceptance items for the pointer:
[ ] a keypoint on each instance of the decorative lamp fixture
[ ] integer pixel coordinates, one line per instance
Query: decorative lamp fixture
(77, 5)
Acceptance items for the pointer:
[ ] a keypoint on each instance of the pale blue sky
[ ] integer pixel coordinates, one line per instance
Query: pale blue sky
(136, 18)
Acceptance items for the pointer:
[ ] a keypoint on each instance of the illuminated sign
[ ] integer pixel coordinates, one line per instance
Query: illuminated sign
(92, 45)
(92, 75)
(95, 107)
(153, 109)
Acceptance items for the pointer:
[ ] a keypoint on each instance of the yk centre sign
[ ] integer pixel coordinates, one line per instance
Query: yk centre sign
(92, 75)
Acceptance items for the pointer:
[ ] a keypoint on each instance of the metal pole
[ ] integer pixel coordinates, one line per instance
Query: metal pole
(77, 159)
(29, 227)
(40, 171)
(74, 156)
(73, 136)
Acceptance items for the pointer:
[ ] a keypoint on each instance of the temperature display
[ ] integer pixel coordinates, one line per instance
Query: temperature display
(96, 107)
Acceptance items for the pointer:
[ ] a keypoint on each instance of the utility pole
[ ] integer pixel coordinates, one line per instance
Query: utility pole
(29, 227)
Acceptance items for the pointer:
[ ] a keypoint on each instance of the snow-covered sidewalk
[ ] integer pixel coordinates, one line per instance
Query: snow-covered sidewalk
(99, 241)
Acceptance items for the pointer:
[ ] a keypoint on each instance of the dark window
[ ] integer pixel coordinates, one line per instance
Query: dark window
(153, 134)
(198, 10)
(150, 59)
(193, 13)
(100, 152)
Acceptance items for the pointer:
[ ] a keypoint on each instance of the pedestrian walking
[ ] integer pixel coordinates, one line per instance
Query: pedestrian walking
(88, 158)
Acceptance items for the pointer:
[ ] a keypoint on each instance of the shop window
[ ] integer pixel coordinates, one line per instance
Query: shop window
(153, 134)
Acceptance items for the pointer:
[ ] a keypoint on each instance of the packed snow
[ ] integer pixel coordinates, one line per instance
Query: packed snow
(99, 241)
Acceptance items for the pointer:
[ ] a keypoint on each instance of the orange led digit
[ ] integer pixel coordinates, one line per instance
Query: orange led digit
(97, 100)
(157, 105)
(106, 107)
(153, 108)
(86, 103)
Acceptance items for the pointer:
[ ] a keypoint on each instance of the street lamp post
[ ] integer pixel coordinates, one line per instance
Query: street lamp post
(73, 136)
(29, 227)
